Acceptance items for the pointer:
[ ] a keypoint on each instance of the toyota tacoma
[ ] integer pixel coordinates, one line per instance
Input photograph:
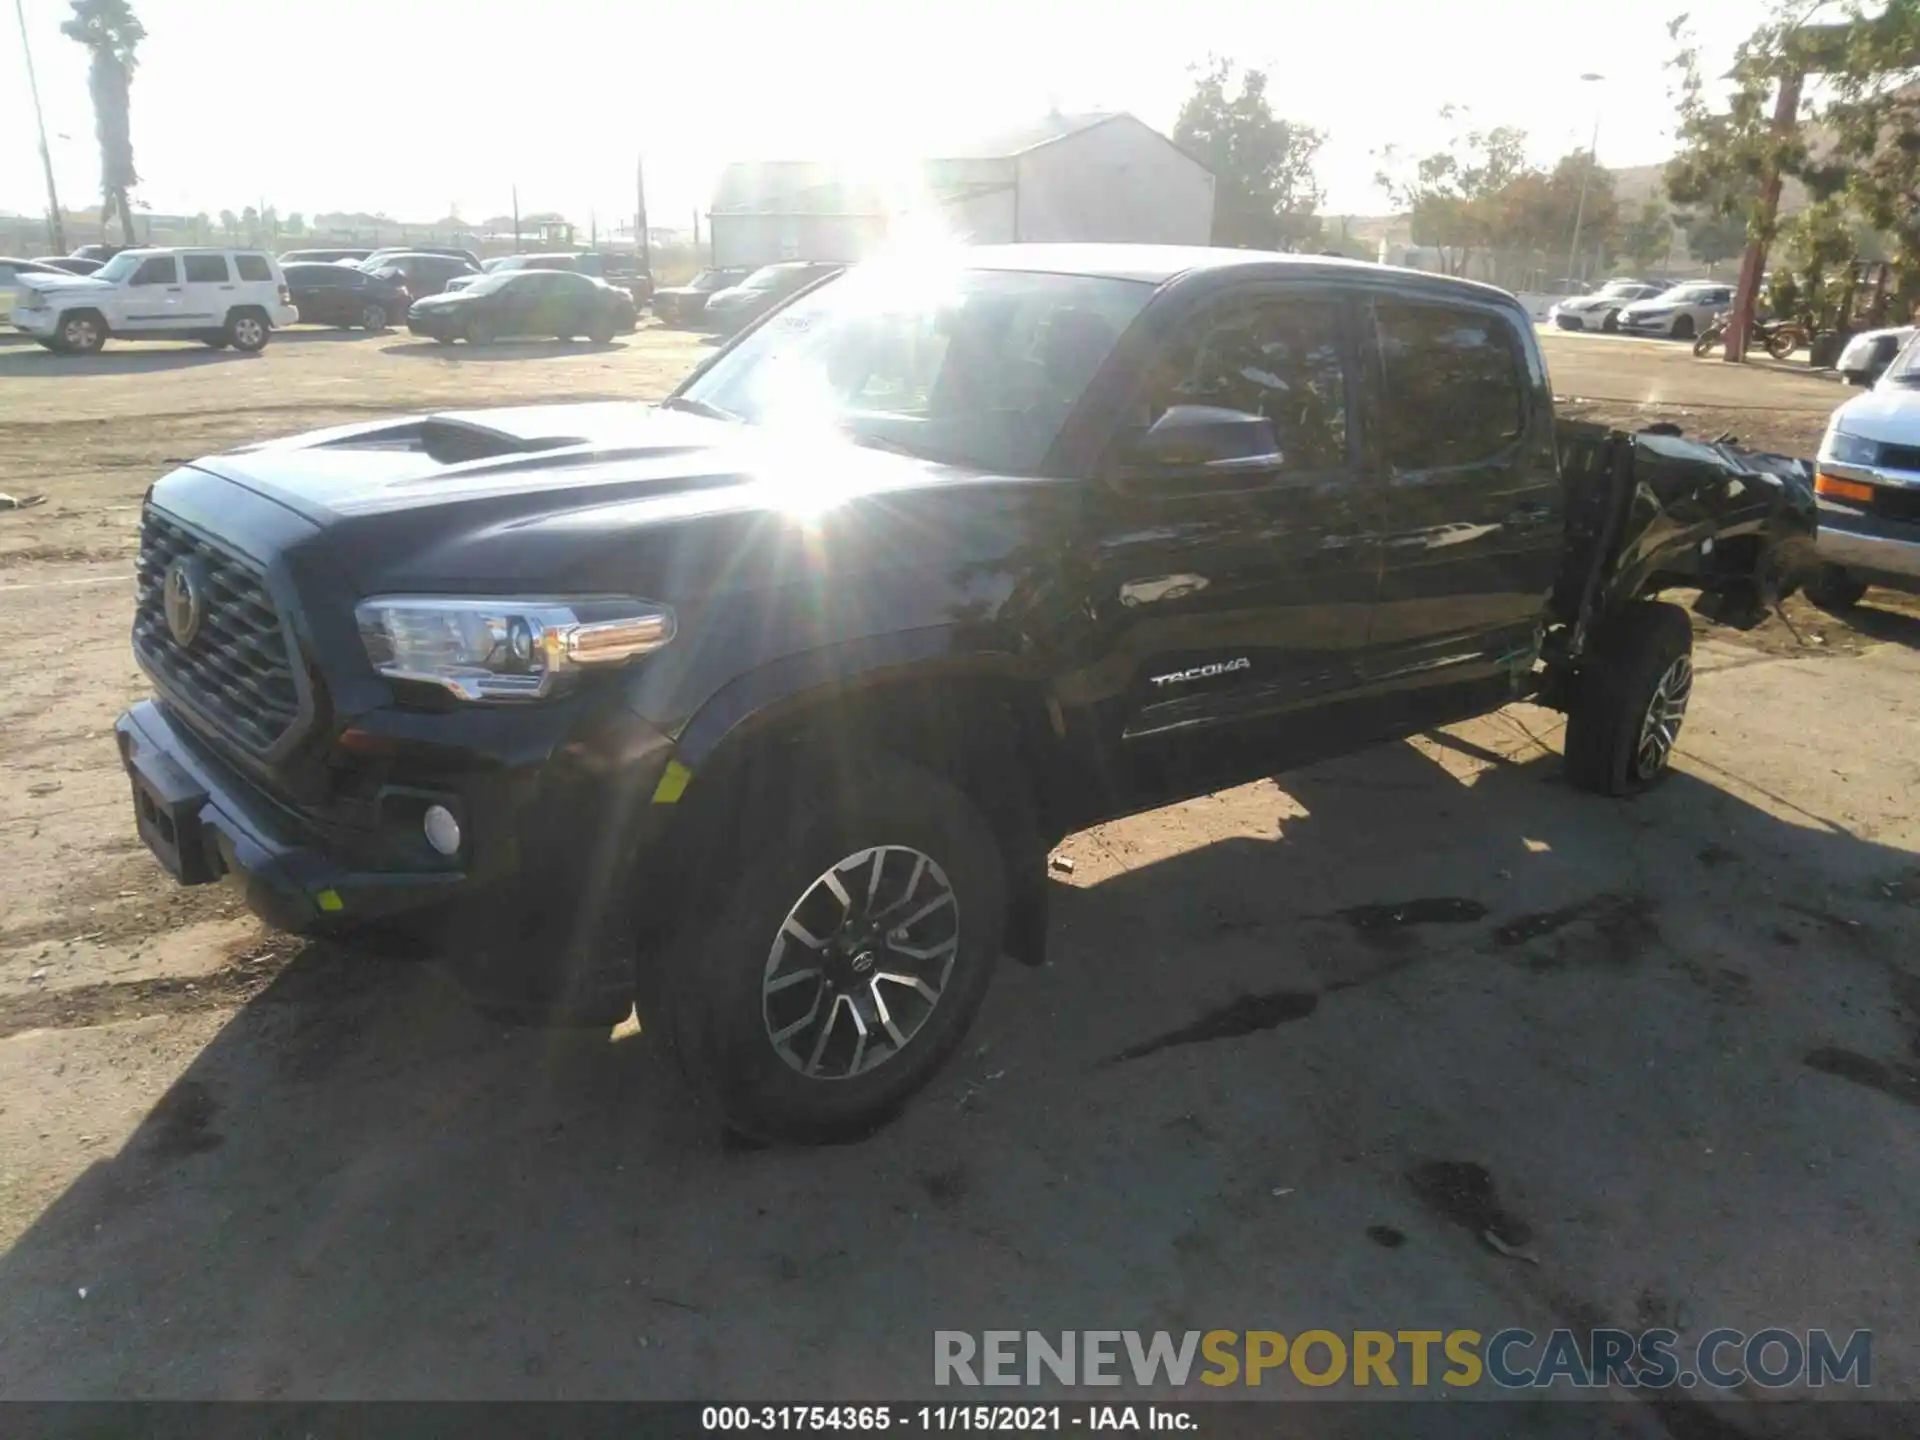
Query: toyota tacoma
(762, 708)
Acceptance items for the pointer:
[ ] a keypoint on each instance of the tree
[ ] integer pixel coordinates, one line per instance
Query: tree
(1265, 192)
(1452, 196)
(1712, 238)
(112, 35)
(250, 218)
(296, 223)
(230, 223)
(1647, 239)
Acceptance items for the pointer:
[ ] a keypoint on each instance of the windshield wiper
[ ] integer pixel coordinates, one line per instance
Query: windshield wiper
(698, 407)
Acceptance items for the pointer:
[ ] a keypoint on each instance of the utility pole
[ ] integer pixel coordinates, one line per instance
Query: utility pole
(516, 219)
(644, 249)
(1580, 210)
(56, 224)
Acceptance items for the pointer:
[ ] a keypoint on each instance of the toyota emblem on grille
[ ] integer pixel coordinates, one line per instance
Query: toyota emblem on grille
(184, 598)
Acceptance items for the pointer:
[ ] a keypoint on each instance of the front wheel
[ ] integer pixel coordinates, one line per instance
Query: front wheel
(82, 334)
(373, 318)
(1835, 591)
(812, 996)
(1783, 342)
(601, 332)
(479, 332)
(1630, 700)
(1683, 328)
(1610, 323)
(1709, 337)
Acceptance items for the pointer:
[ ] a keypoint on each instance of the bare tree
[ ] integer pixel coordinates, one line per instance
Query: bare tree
(112, 33)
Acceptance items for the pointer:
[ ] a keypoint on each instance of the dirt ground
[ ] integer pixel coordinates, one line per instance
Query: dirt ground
(1678, 1037)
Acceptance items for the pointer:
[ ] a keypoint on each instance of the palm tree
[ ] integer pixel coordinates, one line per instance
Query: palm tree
(112, 33)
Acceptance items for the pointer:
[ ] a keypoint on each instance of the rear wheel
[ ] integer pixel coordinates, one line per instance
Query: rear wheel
(479, 331)
(601, 332)
(247, 331)
(1834, 590)
(814, 994)
(81, 333)
(1783, 342)
(1630, 700)
(373, 318)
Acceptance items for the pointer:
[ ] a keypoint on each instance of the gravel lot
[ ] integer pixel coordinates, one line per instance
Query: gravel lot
(1681, 1035)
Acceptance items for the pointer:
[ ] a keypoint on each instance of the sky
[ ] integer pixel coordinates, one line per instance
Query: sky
(413, 108)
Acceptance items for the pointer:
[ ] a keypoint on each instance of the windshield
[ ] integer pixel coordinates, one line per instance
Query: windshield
(488, 284)
(976, 367)
(1622, 287)
(120, 266)
(1905, 369)
(1688, 292)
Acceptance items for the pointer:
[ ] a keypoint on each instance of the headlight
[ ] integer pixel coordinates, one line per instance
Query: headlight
(505, 649)
(1851, 449)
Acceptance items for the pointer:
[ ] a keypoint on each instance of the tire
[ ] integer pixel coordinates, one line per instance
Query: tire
(248, 331)
(479, 331)
(1835, 591)
(1783, 342)
(443, 339)
(1683, 328)
(81, 332)
(47, 345)
(373, 319)
(1703, 345)
(601, 333)
(829, 1079)
(1630, 700)
(1610, 323)
(214, 342)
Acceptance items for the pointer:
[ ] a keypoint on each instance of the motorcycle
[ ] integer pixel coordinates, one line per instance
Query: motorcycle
(1780, 338)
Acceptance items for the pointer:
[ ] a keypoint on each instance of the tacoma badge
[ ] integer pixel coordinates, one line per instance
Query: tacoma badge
(1204, 672)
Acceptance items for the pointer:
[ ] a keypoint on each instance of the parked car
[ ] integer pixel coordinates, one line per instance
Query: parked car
(682, 304)
(1868, 354)
(525, 302)
(303, 257)
(328, 293)
(1680, 313)
(740, 305)
(72, 264)
(11, 270)
(1868, 483)
(618, 271)
(452, 252)
(102, 253)
(423, 274)
(765, 707)
(1601, 310)
(219, 297)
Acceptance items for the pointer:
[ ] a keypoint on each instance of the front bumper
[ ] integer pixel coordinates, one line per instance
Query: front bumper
(1869, 546)
(39, 322)
(557, 808)
(1646, 324)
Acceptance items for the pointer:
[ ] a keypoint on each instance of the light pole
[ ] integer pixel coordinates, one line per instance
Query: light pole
(1593, 154)
(56, 224)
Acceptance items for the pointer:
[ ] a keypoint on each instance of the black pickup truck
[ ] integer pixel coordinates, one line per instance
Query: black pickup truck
(764, 707)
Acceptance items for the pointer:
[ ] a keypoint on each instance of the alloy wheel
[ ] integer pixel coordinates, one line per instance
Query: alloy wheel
(860, 962)
(1666, 712)
(249, 333)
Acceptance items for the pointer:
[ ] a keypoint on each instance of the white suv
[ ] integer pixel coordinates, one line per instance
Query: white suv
(219, 297)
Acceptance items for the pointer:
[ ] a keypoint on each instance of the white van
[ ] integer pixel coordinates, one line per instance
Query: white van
(219, 297)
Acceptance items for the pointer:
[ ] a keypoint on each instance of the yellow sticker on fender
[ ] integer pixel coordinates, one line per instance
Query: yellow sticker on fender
(673, 784)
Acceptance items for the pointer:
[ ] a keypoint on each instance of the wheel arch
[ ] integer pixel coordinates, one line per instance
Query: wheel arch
(976, 719)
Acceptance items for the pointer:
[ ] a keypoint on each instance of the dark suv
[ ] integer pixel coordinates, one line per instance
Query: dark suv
(766, 706)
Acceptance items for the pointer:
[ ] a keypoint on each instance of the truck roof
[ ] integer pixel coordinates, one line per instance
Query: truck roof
(1160, 263)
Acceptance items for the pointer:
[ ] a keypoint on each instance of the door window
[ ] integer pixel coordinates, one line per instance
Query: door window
(1453, 394)
(252, 267)
(1277, 357)
(206, 269)
(156, 270)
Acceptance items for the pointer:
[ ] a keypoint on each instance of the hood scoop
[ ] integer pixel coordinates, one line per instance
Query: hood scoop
(449, 441)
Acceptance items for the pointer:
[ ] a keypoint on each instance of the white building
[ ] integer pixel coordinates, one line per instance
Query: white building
(1067, 177)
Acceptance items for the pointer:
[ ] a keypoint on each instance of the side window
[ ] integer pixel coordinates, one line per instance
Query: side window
(156, 270)
(252, 267)
(1453, 392)
(1280, 358)
(206, 269)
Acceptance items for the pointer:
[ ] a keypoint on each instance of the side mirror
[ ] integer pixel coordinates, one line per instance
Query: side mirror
(1208, 440)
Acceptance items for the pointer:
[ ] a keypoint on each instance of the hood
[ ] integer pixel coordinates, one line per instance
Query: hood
(471, 500)
(1889, 414)
(65, 283)
(1652, 306)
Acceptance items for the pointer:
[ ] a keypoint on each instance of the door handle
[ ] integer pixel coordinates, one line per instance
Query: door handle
(173, 290)
(1531, 513)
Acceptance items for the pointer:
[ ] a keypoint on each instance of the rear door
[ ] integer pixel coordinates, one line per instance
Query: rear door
(208, 289)
(1230, 610)
(1471, 515)
(150, 301)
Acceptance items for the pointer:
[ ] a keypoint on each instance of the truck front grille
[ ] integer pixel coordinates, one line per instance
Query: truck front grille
(236, 670)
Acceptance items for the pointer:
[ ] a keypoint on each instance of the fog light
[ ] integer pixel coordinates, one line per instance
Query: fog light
(443, 831)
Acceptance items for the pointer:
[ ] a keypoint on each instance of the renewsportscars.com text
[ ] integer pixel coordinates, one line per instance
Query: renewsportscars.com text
(1510, 1359)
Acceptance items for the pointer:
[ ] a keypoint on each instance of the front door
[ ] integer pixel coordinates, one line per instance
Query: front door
(1472, 513)
(150, 301)
(1227, 609)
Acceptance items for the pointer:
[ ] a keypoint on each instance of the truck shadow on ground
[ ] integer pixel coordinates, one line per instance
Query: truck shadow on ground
(358, 1188)
(1883, 621)
(32, 361)
(499, 350)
